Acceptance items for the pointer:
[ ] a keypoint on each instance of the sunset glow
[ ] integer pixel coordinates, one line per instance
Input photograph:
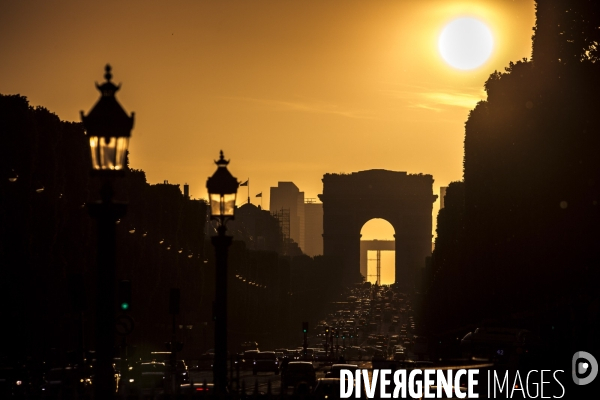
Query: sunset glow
(289, 90)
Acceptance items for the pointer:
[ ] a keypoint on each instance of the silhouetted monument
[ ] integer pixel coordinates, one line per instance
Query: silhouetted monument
(404, 200)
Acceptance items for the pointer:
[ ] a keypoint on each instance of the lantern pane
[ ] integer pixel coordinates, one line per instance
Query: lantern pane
(215, 204)
(222, 205)
(108, 153)
(228, 204)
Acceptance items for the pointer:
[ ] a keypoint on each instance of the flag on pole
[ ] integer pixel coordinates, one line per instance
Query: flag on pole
(245, 183)
(259, 195)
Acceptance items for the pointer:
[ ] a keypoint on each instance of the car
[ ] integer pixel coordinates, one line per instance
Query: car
(399, 355)
(308, 356)
(183, 374)
(205, 362)
(249, 346)
(247, 359)
(320, 355)
(327, 388)
(181, 369)
(148, 378)
(265, 361)
(334, 371)
(59, 381)
(196, 388)
(296, 372)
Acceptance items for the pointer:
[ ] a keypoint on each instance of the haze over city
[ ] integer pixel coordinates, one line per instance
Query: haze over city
(289, 90)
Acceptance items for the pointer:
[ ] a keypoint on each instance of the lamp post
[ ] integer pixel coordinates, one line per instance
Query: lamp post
(222, 190)
(108, 128)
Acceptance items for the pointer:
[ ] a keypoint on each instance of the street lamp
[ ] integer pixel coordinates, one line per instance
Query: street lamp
(222, 190)
(108, 128)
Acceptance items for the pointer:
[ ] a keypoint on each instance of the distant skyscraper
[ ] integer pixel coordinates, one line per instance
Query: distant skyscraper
(442, 195)
(313, 228)
(287, 196)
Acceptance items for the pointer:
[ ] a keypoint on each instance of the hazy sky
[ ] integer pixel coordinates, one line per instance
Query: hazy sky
(289, 89)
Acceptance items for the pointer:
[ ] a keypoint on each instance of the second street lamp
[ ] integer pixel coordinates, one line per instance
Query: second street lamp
(108, 128)
(222, 190)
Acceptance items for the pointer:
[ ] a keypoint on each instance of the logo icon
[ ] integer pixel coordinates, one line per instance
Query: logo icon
(584, 363)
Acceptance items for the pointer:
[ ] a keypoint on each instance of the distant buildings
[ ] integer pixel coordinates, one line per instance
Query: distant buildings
(287, 203)
(442, 195)
(301, 220)
(257, 228)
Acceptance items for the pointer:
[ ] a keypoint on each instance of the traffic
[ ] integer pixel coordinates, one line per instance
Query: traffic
(372, 328)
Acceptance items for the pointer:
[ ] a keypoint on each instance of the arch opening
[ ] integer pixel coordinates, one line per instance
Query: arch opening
(378, 251)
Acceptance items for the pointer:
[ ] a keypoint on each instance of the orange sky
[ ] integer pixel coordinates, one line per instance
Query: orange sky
(289, 89)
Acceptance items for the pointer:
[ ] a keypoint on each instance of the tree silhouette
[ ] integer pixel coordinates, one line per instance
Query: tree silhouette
(531, 187)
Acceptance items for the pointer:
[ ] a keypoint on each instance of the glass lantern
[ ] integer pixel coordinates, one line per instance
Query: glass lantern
(108, 128)
(222, 191)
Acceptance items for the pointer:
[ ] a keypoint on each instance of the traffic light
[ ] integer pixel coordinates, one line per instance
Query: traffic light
(305, 327)
(124, 295)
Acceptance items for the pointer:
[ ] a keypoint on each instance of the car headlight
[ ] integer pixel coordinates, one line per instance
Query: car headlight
(131, 380)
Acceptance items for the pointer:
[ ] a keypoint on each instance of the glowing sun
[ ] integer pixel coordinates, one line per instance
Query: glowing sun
(466, 43)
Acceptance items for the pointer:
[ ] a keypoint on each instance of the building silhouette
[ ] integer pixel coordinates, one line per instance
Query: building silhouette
(313, 228)
(257, 228)
(404, 200)
(287, 196)
(442, 195)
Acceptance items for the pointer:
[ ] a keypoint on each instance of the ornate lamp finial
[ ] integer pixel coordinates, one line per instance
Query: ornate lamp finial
(108, 75)
(222, 161)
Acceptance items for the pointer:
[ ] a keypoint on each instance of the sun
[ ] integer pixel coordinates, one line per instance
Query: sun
(466, 43)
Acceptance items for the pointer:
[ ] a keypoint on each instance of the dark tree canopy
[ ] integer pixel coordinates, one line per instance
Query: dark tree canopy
(532, 187)
(47, 238)
(566, 31)
(48, 252)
